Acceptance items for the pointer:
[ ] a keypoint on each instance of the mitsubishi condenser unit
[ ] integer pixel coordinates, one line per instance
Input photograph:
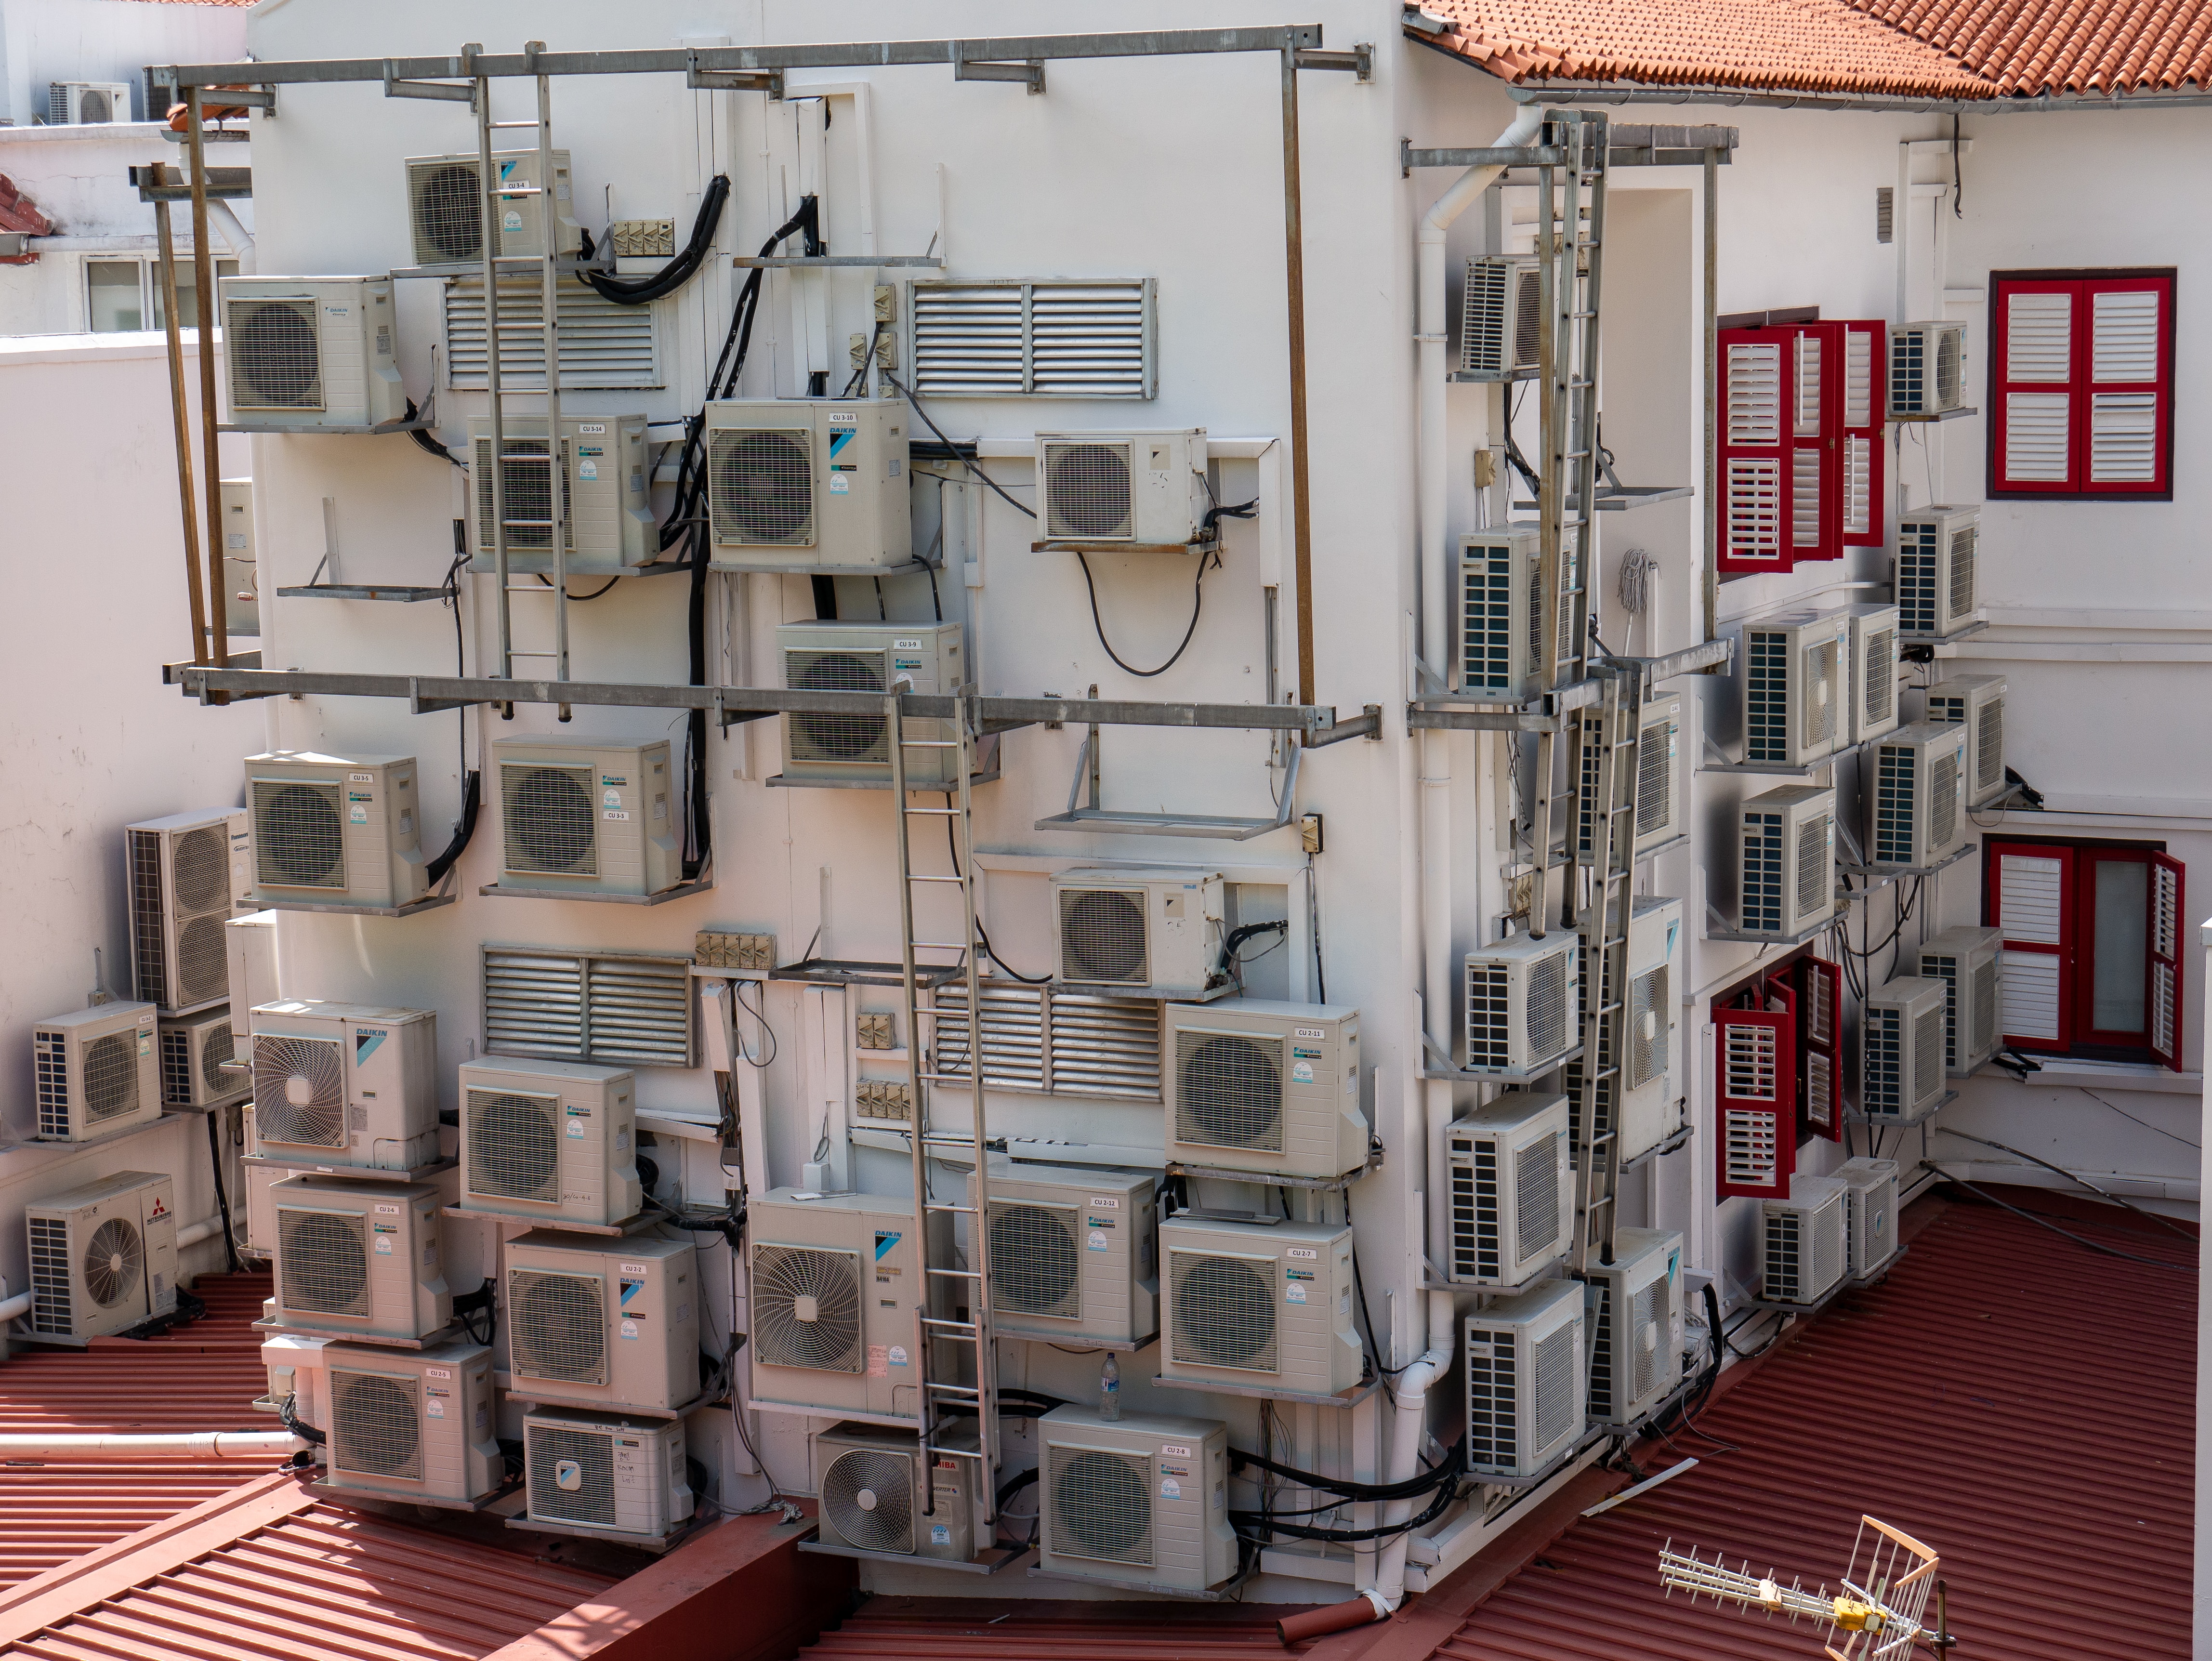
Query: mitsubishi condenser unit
(193, 1050)
(184, 876)
(334, 831)
(879, 1494)
(554, 1142)
(1966, 959)
(586, 816)
(1501, 316)
(1527, 1383)
(1793, 686)
(611, 1324)
(1652, 1103)
(1499, 610)
(799, 482)
(1789, 883)
(1262, 1306)
(412, 1424)
(1272, 1088)
(838, 1292)
(606, 516)
(1512, 1190)
(347, 1084)
(1927, 367)
(1629, 1307)
(1870, 1213)
(1920, 778)
(1150, 932)
(1934, 572)
(1800, 1241)
(360, 1259)
(1976, 702)
(1871, 665)
(308, 353)
(445, 207)
(1074, 1254)
(95, 1073)
(103, 1256)
(1524, 1008)
(88, 103)
(591, 1470)
(1139, 1500)
(1901, 1050)
(1133, 489)
(869, 657)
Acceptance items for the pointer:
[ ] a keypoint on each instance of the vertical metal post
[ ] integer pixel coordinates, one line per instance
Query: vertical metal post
(204, 279)
(489, 179)
(1709, 578)
(1294, 265)
(178, 418)
(556, 467)
(980, 1312)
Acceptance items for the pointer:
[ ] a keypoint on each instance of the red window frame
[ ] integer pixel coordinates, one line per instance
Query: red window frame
(1777, 1112)
(2079, 389)
(1819, 988)
(1755, 446)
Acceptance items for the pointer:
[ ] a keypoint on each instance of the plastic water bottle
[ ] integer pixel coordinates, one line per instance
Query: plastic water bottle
(1109, 1390)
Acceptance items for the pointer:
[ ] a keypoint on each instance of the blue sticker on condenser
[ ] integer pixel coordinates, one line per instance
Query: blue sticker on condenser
(838, 439)
(364, 1045)
(885, 1239)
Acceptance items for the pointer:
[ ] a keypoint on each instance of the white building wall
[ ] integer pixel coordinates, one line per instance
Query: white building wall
(47, 40)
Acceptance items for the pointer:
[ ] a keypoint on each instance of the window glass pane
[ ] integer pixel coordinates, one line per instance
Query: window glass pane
(188, 310)
(112, 295)
(2122, 918)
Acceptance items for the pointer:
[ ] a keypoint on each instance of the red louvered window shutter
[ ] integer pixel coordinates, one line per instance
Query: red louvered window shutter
(1864, 403)
(1819, 1045)
(2032, 906)
(2081, 382)
(2166, 1012)
(1816, 410)
(1755, 1106)
(1756, 396)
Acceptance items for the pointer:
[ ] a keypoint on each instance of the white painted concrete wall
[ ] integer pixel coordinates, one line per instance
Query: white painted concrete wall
(47, 40)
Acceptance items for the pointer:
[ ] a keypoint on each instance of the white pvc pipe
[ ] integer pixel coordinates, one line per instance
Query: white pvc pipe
(1405, 1432)
(196, 1444)
(20, 1305)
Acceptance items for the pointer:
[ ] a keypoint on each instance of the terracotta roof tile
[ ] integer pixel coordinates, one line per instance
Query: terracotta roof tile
(2036, 47)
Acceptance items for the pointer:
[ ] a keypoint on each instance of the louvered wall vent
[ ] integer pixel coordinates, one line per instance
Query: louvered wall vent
(603, 346)
(619, 1009)
(1036, 1039)
(1015, 338)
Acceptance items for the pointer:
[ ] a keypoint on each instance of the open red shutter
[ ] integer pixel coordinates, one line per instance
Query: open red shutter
(1864, 403)
(2035, 361)
(1754, 1102)
(1755, 400)
(2124, 366)
(2166, 900)
(1816, 407)
(1819, 1044)
(2032, 906)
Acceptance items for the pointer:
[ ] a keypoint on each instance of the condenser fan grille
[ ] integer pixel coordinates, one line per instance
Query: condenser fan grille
(113, 1263)
(1102, 936)
(1101, 1504)
(322, 1262)
(298, 1091)
(760, 487)
(199, 869)
(1036, 1266)
(1087, 491)
(1549, 991)
(92, 107)
(110, 1075)
(1536, 1196)
(572, 1475)
(299, 834)
(1224, 1311)
(447, 211)
(1228, 1090)
(868, 1497)
(552, 824)
(275, 353)
(816, 737)
(557, 1326)
(514, 1145)
(202, 965)
(806, 1309)
(376, 1425)
(526, 495)
(215, 1047)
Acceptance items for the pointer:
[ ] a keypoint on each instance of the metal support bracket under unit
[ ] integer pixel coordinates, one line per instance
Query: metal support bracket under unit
(965, 68)
(398, 86)
(1092, 816)
(767, 80)
(1360, 60)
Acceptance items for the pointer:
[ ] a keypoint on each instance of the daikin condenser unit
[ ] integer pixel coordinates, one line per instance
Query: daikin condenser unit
(1630, 1309)
(1500, 614)
(1934, 572)
(445, 207)
(553, 1142)
(1800, 1241)
(1272, 1088)
(194, 1048)
(1870, 1213)
(1526, 1381)
(1793, 686)
(412, 1424)
(587, 816)
(250, 955)
(1976, 702)
(1651, 1109)
(334, 831)
(184, 876)
(1074, 1254)
(1501, 316)
(606, 515)
(88, 103)
(588, 1471)
(1789, 883)
(1901, 1050)
(1261, 1306)
(1136, 489)
(878, 1492)
(1143, 1499)
(1871, 660)
(103, 1256)
(1966, 959)
(1927, 367)
(839, 1286)
(360, 1259)
(305, 354)
(1920, 778)
(799, 482)
(869, 657)
(1523, 1004)
(1150, 932)
(611, 1324)
(95, 1072)
(347, 1084)
(1512, 1190)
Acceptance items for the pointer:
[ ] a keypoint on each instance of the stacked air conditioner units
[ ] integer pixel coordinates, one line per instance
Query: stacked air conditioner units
(799, 483)
(1501, 316)
(1871, 652)
(923, 658)
(342, 1083)
(1901, 1050)
(1800, 1241)
(334, 831)
(585, 816)
(1258, 1306)
(360, 1259)
(1870, 1213)
(184, 874)
(612, 1325)
(103, 1257)
(1523, 1005)
(1794, 679)
(95, 1072)
(1152, 932)
(1142, 1500)
(1920, 778)
(1934, 574)
(1128, 489)
(1269, 1088)
(1966, 959)
(1499, 610)
(196, 1050)
(879, 1494)
(445, 207)
(1074, 1254)
(589, 1473)
(311, 354)
(411, 1424)
(1631, 1307)
(1927, 367)
(606, 515)
(1788, 875)
(551, 1141)
(1527, 1380)
(1512, 1192)
(1976, 702)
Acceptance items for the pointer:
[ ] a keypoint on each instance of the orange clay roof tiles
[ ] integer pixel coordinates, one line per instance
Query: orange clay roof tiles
(2034, 46)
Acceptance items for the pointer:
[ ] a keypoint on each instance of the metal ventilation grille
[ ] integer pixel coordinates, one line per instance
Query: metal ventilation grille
(603, 346)
(1528, 317)
(1927, 1054)
(806, 1309)
(1877, 676)
(1985, 1004)
(514, 1145)
(52, 1306)
(1749, 1139)
(49, 1070)
(1493, 1400)
(1228, 1090)
(556, 1325)
(1102, 1505)
(148, 912)
(176, 1067)
(1893, 841)
(111, 1076)
(1942, 798)
(114, 1262)
(376, 1425)
(1649, 1320)
(322, 1262)
(572, 1475)
(298, 1091)
(867, 1497)
(551, 819)
(1785, 1266)
(1647, 1057)
(525, 483)
(1041, 339)
(1486, 627)
(202, 962)
(1654, 778)
(274, 348)
(760, 487)
(1819, 702)
(1102, 936)
(1815, 887)
(1915, 578)
(216, 1047)
(1946, 969)
(1989, 746)
(1962, 572)
(1535, 1196)
(1949, 345)
(859, 739)
(445, 207)
(1550, 991)
(1883, 1093)
(1602, 1360)
(93, 107)
(1501, 316)
(1015, 1036)
(1827, 1229)
(1087, 494)
(1036, 1265)
(1068, 1044)
(1554, 1390)
(619, 1010)
(1489, 1015)
(1820, 1088)
(1474, 1213)
(1090, 340)
(1224, 1311)
(1766, 696)
(299, 834)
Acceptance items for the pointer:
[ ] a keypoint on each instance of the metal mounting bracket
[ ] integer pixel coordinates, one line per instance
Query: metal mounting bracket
(965, 68)
(396, 86)
(1360, 60)
(767, 80)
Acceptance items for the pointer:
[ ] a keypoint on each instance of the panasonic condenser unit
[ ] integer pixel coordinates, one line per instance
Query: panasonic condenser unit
(1271, 1088)
(1630, 1309)
(1074, 1254)
(1976, 702)
(306, 354)
(588, 815)
(194, 1048)
(360, 1259)
(1499, 610)
(1920, 778)
(1512, 1190)
(417, 1424)
(611, 1324)
(1788, 881)
(347, 1084)
(1501, 316)
(1652, 1103)
(1871, 665)
(1142, 1500)
(1257, 1306)
(1793, 687)
(1139, 933)
(925, 658)
(103, 1257)
(88, 103)
(1134, 489)
(1934, 572)
(589, 1471)
(1523, 1004)
(334, 831)
(1800, 1241)
(1966, 959)
(793, 483)
(1527, 1385)
(95, 1072)
(1927, 367)
(1870, 1213)
(184, 876)
(552, 1141)
(878, 1492)
(1901, 1050)
(445, 207)
(606, 516)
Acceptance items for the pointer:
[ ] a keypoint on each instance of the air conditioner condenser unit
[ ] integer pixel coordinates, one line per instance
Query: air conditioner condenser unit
(1271, 1088)
(1976, 702)
(1074, 1253)
(1259, 1306)
(88, 103)
(1927, 367)
(445, 207)
(606, 514)
(1967, 961)
(870, 1480)
(1800, 1241)
(1789, 874)
(95, 1072)
(335, 831)
(1523, 1005)
(1921, 774)
(103, 1256)
(1141, 1499)
(1652, 1103)
(360, 1259)
(1501, 316)
(925, 658)
(1139, 933)
(1871, 662)
(587, 816)
(1512, 1190)
(347, 1084)
(1527, 1385)
(415, 1425)
(1651, 783)
(1631, 1308)
(194, 1048)
(249, 950)
(1499, 611)
(552, 1141)
(309, 354)
(589, 1473)
(1901, 1050)
(1794, 677)
(1131, 490)
(609, 1324)
(1870, 1213)
(185, 875)
(799, 482)
(1934, 574)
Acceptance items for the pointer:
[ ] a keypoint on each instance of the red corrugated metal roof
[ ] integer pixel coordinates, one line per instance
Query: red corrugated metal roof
(982, 1629)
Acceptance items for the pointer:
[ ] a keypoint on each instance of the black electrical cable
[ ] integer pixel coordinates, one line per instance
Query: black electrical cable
(287, 1414)
(471, 783)
(222, 1195)
(1197, 602)
(1238, 936)
(952, 853)
(964, 454)
(1437, 1508)
(760, 1013)
(2041, 1222)
(678, 271)
(1012, 1486)
(2167, 1222)
(1374, 1350)
(1412, 1487)
(427, 441)
(577, 599)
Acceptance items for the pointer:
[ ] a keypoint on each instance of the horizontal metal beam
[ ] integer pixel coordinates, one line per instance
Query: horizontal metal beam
(222, 182)
(1493, 156)
(1690, 660)
(1367, 724)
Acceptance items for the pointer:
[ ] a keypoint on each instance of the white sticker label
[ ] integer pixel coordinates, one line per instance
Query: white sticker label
(587, 468)
(361, 778)
(629, 1328)
(897, 1355)
(437, 1373)
(906, 645)
(1173, 1451)
(839, 485)
(591, 426)
(1105, 1202)
(611, 798)
(1302, 1073)
(1097, 1240)
(879, 1365)
(614, 813)
(387, 1210)
(512, 220)
(576, 1130)
(939, 1535)
(843, 418)
(1308, 1252)
(1297, 1294)
(635, 1269)
(1308, 1032)
(384, 1245)
(1169, 1488)
(434, 1408)
(358, 814)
